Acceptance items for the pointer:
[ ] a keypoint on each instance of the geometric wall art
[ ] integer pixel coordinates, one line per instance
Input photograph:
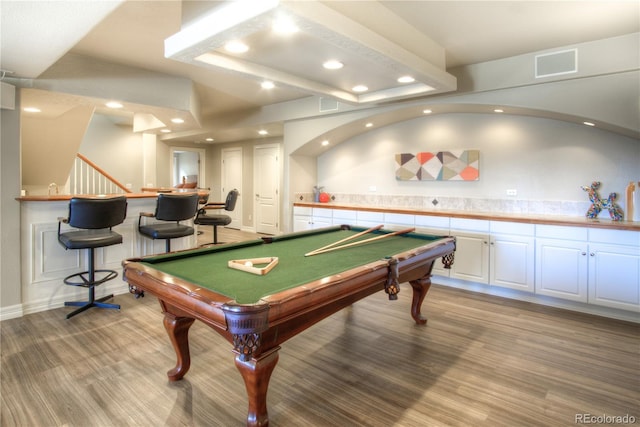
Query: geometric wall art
(454, 165)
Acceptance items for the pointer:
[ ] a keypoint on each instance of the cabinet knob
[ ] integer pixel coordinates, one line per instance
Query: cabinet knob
(592, 254)
(584, 253)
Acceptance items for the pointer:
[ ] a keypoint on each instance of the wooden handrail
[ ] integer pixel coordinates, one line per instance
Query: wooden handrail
(103, 173)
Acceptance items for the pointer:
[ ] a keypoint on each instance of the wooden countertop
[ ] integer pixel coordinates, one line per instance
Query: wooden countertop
(144, 195)
(492, 216)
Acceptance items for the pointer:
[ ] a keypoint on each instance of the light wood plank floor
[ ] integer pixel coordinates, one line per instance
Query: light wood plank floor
(480, 361)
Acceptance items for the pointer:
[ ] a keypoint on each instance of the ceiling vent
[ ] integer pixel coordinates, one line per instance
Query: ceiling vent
(557, 63)
(328, 104)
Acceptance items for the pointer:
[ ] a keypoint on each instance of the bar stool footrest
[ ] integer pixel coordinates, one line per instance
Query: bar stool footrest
(86, 283)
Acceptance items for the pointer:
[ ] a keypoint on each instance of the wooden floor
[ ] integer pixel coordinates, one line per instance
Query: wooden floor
(480, 361)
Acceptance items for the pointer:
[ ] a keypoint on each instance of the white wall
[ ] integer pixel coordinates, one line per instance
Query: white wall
(116, 150)
(543, 159)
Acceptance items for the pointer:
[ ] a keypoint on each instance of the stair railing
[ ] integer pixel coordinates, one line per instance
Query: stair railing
(88, 178)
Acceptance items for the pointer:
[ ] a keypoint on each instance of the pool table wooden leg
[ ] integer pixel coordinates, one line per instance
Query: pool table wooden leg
(256, 374)
(178, 330)
(420, 289)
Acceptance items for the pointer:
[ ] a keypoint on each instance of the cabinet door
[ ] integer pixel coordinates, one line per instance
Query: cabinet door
(301, 222)
(561, 269)
(512, 262)
(614, 276)
(471, 260)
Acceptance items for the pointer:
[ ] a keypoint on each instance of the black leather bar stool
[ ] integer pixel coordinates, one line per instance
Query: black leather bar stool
(204, 218)
(170, 208)
(94, 217)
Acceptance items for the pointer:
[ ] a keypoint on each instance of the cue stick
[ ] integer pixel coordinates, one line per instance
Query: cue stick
(313, 252)
(362, 242)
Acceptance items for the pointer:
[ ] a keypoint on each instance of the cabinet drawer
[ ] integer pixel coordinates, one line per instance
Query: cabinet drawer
(368, 218)
(344, 217)
(470, 224)
(428, 221)
(399, 219)
(616, 237)
(322, 213)
(561, 232)
(302, 210)
(517, 228)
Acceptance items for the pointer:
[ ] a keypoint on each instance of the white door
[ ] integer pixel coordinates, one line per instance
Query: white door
(232, 178)
(188, 163)
(266, 176)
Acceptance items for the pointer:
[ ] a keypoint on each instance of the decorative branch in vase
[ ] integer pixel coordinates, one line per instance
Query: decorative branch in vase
(316, 193)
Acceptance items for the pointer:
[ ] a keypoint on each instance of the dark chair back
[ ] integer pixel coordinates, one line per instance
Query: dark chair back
(95, 213)
(176, 207)
(232, 198)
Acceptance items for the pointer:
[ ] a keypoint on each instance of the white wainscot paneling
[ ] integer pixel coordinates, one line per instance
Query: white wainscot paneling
(50, 260)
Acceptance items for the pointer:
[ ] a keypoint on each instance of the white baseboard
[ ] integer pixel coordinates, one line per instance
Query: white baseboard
(11, 312)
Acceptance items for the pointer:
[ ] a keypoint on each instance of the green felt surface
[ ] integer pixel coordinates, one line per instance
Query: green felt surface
(208, 267)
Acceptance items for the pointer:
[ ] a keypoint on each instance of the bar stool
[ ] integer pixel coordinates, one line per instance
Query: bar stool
(204, 218)
(94, 217)
(170, 208)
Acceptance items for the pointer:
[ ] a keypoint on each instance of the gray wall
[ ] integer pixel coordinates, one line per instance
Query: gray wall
(543, 159)
(10, 288)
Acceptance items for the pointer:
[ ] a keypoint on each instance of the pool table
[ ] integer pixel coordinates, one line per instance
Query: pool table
(258, 312)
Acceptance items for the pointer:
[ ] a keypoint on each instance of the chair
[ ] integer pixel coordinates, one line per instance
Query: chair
(171, 208)
(95, 217)
(203, 218)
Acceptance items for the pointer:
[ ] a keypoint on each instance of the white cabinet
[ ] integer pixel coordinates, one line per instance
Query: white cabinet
(582, 264)
(595, 266)
(561, 262)
(305, 218)
(471, 260)
(511, 255)
(494, 252)
(561, 269)
(614, 269)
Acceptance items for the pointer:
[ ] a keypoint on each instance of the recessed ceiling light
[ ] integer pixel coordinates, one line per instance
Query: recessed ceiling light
(360, 88)
(406, 79)
(177, 120)
(588, 123)
(209, 139)
(498, 110)
(368, 125)
(114, 104)
(31, 110)
(263, 132)
(427, 111)
(267, 85)
(236, 46)
(165, 130)
(325, 143)
(333, 64)
(284, 25)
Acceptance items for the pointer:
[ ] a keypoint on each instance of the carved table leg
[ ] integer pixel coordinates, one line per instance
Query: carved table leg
(256, 374)
(178, 330)
(420, 289)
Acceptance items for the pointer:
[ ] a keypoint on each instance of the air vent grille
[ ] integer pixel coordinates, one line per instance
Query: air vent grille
(556, 63)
